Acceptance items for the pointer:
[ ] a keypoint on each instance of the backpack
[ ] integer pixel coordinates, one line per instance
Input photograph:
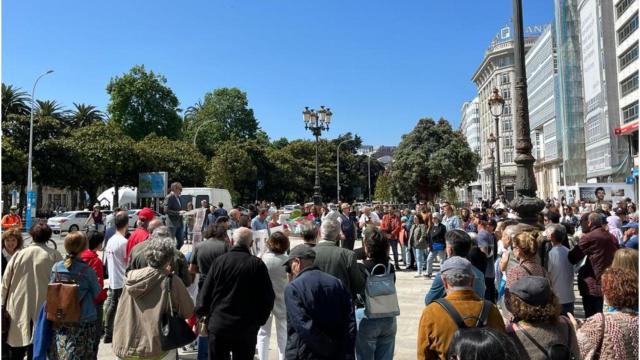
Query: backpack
(455, 315)
(63, 303)
(556, 351)
(347, 227)
(381, 299)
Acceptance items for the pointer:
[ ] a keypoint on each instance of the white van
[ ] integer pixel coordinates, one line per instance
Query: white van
(213, 196)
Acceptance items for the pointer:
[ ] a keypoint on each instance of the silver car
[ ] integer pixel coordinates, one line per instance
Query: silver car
(68, 221)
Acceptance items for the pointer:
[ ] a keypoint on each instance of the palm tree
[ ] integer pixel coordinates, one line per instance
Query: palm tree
(51, 108)
(193, 110)
(84, 115)
(14, 101)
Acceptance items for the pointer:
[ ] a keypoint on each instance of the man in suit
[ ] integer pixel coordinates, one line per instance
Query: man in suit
(173, 209)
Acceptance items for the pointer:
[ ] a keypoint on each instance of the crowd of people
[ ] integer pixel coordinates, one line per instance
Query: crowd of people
(500, 288)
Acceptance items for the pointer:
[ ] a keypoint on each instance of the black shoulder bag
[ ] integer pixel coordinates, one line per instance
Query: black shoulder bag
(174, 330)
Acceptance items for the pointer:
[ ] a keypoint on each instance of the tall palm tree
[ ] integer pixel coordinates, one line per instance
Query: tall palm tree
(84, 115)
(14, 101)
(193, 110)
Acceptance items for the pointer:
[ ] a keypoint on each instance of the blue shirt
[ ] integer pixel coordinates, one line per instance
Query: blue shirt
(437, 287)
(256, 224)
(87, 285)
(632, 243)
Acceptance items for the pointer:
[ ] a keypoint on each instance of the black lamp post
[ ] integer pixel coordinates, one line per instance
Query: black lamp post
(317, 122)
(526, 204)
(496, 106)
(492, 143)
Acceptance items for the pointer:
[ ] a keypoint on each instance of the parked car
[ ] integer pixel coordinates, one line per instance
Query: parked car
(133, 217)
(68, 221)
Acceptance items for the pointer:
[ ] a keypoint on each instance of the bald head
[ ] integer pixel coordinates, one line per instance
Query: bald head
(154, 224)
(243, 237)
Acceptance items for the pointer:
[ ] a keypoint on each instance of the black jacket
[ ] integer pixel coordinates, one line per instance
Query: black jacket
(237, 294)
(320, 318)
(436, 234)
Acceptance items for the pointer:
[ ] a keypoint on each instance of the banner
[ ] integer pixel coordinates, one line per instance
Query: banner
(152, 185)
(260, 238)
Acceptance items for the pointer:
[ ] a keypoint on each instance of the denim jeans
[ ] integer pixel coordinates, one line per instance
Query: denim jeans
(421, 255)
(111, 314)
(394, 250)
(431, 257)
(405, 254)
(376, 338)
(203, 348)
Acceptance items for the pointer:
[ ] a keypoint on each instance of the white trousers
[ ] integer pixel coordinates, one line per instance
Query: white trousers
(264, 336)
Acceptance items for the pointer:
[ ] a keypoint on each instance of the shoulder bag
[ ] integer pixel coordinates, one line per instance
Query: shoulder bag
(174, 330)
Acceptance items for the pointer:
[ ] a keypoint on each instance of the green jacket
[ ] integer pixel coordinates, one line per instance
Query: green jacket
(418, 236)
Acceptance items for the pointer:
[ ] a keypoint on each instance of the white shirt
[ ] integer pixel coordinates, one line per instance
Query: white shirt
(375, 219)
(116, 252)
(561, 274)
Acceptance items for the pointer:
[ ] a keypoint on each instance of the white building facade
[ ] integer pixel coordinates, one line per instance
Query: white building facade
(470, 128)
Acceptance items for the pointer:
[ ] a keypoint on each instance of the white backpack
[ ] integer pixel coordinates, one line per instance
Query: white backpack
(381, 299)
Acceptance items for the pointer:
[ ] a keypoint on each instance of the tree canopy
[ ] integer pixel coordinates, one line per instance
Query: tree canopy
(142, 104)
(430, 150)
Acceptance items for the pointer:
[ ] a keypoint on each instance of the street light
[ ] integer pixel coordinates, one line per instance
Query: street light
(198, 129)
(526, 204)
(338, 169)
(492, 142)
(496, 106)
(31, 200)
(317, 122)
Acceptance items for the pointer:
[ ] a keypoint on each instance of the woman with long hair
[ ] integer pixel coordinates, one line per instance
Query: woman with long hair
(77, 341)
(418, 237)
(626, 259)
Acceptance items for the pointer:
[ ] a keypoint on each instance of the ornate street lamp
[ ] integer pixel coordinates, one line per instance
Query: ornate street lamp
(317, 122)
(492, 141)
(496, 106)
(526, 204)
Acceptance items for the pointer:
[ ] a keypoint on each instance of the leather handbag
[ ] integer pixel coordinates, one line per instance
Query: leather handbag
(174, 330)
(63, 301)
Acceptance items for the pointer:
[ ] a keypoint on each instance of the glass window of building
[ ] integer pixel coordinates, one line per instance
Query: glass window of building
(622, 6)
(630, 112)
(506, 125)
(628, 28)
(628, 56)
(506, 93)
(629, 84)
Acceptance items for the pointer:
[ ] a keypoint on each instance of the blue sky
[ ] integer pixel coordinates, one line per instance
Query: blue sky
(380, 65)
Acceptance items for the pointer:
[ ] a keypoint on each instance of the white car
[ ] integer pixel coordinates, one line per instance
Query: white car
(133, 217)
(68, 221)
(288, 209)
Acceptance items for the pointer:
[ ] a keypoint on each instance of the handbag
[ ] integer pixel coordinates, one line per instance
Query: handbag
(381, 299)
(174, 330)
(63, 304)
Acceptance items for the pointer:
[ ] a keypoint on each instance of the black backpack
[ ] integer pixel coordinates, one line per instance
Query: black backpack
(455, 315)
(556, 351)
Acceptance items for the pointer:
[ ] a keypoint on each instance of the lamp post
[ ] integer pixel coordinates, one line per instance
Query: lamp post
(31, 199)
(195, 136)
(492, 142)
(369, 172)
(525, 203)
(496, 106)
(338, 169)
(317, 122)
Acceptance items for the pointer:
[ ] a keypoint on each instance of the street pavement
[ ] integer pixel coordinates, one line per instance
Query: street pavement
(411, 292)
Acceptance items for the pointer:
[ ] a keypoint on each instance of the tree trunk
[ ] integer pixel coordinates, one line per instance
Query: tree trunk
(116, 195)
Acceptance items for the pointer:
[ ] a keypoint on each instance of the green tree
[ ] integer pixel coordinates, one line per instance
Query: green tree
(233, 168)
(224, 115)
(383, 188)
(84, 115)
(89, 158)
(432, 156)
(52, 109)
(142, 104)
(179, 158)
(14, 101)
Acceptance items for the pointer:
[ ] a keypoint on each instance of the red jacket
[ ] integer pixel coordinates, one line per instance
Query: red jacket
(91, 258)
(138, 236)
(391, 225)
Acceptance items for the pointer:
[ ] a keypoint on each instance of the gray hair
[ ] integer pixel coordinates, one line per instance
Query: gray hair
(456, 279)
(243, 237)
(153, 225)
(330, 230)
(161, 231)
(160, 251)
(559, 232)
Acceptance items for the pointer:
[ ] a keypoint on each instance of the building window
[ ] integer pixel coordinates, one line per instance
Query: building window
(506, 93)
(630, 55)
(628, 28)
(506, 125)
(507, 156)
(506, 110)
(504, 79)
(629, 84)
(630, 112)
(622, 6)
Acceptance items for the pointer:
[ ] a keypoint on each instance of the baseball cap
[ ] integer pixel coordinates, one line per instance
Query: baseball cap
(457, 265)
(146, 214)
(13, 207)
(534, 290)
(630, 225)
(302, 251)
